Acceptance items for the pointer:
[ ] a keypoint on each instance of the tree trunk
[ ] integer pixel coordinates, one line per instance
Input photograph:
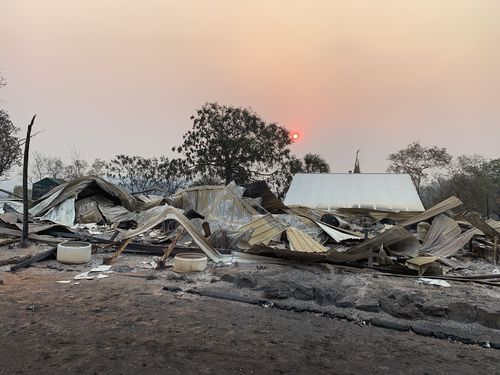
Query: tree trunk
(24, 237)
(228, 172)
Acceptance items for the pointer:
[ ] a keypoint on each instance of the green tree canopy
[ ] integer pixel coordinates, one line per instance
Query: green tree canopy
(136, 173)
(232, 143)
(10, 145)
(314, 163)
(417, 161)
(475, 180)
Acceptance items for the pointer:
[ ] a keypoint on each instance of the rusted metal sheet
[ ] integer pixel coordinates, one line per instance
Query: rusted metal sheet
(420, 261)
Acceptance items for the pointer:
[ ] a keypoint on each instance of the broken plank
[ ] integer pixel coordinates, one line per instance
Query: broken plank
(118, 252)
(15, 260)
(169, 249)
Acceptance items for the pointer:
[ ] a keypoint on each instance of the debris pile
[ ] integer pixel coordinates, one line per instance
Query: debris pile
(249, 223)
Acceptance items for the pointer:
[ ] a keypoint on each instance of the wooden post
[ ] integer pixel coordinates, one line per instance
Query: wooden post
(24, 237)
(110, 260)
(168, 250)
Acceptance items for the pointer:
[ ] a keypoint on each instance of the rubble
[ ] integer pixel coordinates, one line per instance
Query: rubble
(248, 224)
(223, 220)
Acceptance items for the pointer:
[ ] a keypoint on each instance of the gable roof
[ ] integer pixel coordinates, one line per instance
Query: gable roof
(374, 191)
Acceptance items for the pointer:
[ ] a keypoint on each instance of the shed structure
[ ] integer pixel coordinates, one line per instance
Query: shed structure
(371, 191)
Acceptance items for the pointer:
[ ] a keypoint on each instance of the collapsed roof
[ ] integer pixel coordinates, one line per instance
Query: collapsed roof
(233, 219)
(82, 188)
(58, 205)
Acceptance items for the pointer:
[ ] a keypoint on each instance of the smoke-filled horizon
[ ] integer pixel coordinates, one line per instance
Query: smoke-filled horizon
(111, 77)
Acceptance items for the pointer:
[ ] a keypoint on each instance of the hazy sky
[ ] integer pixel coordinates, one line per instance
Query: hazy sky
(117, 76)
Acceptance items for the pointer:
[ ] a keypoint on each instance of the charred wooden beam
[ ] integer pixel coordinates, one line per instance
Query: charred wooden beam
(24, 237)
(44, 255)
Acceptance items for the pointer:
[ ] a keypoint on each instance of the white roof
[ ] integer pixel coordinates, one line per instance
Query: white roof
(377, 191)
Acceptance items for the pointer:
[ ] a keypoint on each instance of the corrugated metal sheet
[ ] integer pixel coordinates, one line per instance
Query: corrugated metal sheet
(157, 215)
(315, 214)
(222, 206)
(304, 224)
(300, 241)
(452, 246)
(439, 208)
(229, 210)
(475, 220)
(264, 229)
(116, 214)
(72, 189)
(62, 213)
(16, 205)
(443, 229)
(396, 240)
(420, 261)
(374, 191)
(337, 235)
(198, 198)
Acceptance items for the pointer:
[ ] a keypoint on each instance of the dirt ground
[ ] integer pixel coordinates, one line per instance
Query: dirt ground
(129, 325)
